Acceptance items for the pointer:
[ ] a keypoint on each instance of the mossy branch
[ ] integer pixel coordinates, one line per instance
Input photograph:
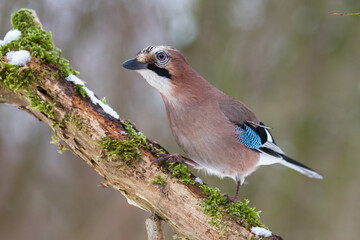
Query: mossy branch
(344, 14)
(112, 147)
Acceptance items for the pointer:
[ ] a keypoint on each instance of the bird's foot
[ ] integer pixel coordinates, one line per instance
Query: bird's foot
(233, 199)
(175, 158)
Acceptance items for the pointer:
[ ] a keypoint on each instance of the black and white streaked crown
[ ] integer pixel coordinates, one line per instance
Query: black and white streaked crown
(147, 49)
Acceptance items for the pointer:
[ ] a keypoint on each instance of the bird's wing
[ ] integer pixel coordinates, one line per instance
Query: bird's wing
(237, 112)
(255, 135)
(247, 128)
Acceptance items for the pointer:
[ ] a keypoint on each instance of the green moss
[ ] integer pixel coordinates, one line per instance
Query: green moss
(16, 78)
(66, 118)
(76, 121)
(217, 206)
(80, 91)
(37, 41)
(40, 105)
(56, 140)
(139, 138)
(40, 45)
(241, 212)
(181, 172)
(23, 20)
(159, 180)
(127, 149)
(103, 100)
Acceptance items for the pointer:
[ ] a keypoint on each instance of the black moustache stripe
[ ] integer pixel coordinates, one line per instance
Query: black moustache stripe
(159, 71)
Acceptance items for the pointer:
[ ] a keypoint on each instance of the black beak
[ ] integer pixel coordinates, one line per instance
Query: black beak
(132, 64)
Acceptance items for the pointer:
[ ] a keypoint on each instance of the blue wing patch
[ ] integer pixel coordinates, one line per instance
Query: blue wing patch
(248, 137)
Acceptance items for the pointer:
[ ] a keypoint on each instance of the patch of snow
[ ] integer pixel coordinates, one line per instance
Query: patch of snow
(74, 79)
(198, 180)
(91, 95)
(12, 35)
(107, 109)
(261, 232)
(19, 58)
(123, 132)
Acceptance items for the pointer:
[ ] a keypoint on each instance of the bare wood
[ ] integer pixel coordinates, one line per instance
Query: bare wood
(179, 205)
(154, 229)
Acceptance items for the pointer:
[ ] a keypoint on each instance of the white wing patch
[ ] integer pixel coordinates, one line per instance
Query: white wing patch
(268, 135)
(265, 158)
(270, 143)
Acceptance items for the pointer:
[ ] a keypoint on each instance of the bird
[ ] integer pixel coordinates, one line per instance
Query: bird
(218, 133)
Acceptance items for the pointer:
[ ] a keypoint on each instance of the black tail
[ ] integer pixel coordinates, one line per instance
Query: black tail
(293, 164)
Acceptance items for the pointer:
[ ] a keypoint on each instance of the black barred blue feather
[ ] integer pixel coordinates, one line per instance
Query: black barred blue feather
(258, 138)
(248, 137)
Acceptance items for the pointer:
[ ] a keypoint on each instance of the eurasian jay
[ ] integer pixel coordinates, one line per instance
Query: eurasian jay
(219, 133)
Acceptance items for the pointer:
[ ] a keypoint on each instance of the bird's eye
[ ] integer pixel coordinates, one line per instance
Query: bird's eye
(161, 56)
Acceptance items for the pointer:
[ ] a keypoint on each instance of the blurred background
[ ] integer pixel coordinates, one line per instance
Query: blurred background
(293, 64)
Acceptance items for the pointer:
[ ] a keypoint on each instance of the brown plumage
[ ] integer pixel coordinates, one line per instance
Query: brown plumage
(219, 133)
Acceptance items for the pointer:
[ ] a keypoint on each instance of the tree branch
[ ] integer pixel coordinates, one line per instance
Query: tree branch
(344, 14)
(113, 148)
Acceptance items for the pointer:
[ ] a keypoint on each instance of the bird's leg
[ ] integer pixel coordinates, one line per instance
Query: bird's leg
(176, 158)
(236, 197)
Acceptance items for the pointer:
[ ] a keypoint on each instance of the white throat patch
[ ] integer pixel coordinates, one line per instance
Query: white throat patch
(162, 84)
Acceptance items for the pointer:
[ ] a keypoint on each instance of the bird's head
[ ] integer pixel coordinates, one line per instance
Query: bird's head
(161, 66)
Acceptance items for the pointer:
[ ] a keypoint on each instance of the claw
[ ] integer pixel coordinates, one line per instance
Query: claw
(233, 199)
(160, 159)
(168, 158)
(176, 158)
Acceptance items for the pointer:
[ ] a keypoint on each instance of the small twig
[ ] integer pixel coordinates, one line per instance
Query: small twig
(153, 228)
(344, 14)
(154, 214)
